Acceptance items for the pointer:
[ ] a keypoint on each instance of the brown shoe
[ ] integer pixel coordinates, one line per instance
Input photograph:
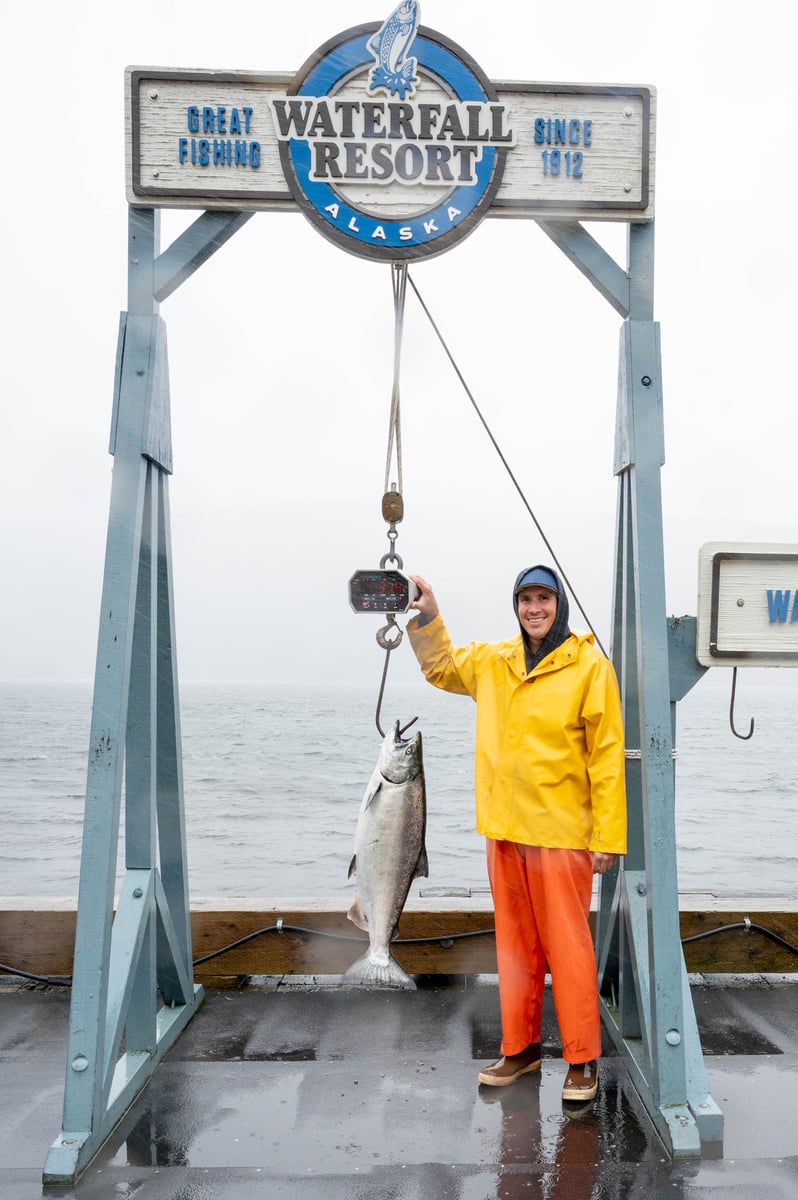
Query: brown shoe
(581, 1082)
(509, 1068)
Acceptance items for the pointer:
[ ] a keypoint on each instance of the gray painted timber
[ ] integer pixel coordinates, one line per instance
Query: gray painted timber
(194, 247)
(122, 963)
(590, 257)
(646, 1004)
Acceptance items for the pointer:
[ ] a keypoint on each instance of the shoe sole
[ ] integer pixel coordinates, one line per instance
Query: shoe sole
(577, 1094)
(503, 1081)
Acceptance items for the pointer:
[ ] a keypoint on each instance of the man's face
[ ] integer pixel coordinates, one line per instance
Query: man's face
(537, 608)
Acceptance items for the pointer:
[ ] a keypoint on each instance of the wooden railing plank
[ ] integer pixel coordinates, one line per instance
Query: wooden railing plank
(40, 939)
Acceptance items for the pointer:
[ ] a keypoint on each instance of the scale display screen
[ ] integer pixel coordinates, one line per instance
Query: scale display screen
(381, 592)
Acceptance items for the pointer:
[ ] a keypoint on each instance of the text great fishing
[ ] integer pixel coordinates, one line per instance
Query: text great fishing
(376, 141)
(220, 151)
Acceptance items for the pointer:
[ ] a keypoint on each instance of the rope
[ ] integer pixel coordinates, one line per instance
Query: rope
(392, 504)
(399, 282)
(506, 465)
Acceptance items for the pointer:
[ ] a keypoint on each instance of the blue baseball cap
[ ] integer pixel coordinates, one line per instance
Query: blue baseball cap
(540, 576)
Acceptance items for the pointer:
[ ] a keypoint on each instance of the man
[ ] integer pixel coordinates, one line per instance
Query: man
(550, 800)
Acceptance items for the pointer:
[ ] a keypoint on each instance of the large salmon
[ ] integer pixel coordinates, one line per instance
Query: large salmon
(389, 854)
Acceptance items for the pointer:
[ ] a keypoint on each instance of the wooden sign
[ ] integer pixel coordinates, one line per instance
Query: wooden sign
(208, 140)
(747, 605)
(392, 142)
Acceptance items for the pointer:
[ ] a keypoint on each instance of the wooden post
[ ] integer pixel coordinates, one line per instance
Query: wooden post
(123, 961)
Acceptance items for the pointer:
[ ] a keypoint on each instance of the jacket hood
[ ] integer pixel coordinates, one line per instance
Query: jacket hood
(559, 630)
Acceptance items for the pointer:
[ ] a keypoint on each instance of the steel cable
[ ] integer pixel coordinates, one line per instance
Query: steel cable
(504, 461)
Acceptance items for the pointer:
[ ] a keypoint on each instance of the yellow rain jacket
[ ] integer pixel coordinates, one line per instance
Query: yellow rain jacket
(549, 767)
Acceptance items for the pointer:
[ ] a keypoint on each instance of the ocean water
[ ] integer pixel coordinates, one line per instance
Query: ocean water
(274, 776)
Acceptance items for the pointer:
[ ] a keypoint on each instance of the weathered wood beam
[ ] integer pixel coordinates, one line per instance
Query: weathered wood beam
(40, 940)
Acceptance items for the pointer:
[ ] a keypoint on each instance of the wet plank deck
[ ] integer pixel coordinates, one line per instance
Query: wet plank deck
(295, 1089)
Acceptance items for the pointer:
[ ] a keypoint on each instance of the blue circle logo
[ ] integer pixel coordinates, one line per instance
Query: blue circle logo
(392, 140)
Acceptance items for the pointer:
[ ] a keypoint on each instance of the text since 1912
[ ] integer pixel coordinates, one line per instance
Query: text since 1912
(563, 131)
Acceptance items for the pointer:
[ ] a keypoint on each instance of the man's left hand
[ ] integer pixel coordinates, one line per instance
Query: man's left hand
(602, 862)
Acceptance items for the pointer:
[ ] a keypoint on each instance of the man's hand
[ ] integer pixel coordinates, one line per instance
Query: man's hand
(425, 602)
(602, 862)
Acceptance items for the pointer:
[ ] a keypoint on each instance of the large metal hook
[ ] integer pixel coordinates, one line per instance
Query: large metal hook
(388, 644)
(742, 736)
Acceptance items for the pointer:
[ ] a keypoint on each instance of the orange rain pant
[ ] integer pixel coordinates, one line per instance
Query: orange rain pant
(541, 899)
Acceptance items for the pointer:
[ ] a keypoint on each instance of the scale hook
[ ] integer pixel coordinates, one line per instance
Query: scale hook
(388, 644)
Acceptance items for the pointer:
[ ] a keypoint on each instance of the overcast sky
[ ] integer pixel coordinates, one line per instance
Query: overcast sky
(281, 350)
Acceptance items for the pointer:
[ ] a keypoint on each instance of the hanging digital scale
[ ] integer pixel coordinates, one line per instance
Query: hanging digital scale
(381, 591)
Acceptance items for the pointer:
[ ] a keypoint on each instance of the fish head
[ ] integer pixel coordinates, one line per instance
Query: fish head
(406, 12)
(400, 758)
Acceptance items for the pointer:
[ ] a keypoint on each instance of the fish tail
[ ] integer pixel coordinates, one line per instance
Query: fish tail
(368, 972)
(380, 77)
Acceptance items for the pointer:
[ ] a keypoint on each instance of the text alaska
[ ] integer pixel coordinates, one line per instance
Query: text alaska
(387, 142)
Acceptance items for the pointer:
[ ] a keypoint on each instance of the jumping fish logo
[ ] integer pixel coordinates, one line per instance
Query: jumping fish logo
(394, 71)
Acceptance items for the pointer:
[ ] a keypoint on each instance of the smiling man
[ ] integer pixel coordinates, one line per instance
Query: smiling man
(536, 605)
(550, 800)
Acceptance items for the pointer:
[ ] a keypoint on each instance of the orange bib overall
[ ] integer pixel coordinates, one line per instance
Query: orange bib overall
(541, 899)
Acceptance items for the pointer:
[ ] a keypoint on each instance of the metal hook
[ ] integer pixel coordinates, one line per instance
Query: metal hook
(388, 644)
(390, 635)
(380, 730)
(742, 736)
